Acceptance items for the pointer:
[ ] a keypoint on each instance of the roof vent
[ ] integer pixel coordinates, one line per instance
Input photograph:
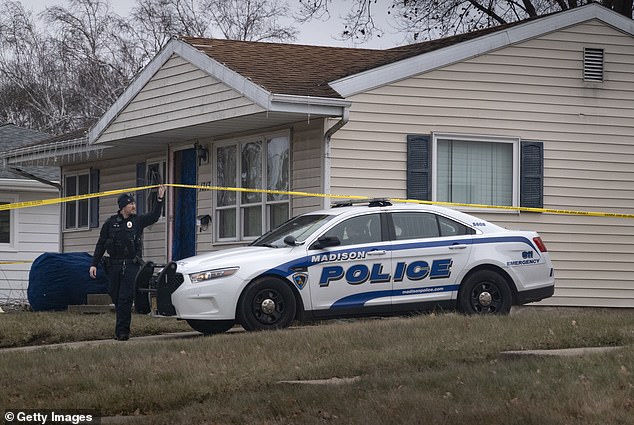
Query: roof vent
(592, 64)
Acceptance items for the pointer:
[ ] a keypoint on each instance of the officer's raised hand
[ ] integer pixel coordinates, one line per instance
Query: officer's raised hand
(161, 191)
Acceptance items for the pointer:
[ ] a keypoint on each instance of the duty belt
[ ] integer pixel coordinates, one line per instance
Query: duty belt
(120, 261)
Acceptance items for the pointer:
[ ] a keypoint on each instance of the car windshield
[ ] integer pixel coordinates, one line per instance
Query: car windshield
(299, 228)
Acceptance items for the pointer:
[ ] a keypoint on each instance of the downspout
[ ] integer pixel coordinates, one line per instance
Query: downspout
(327, 152)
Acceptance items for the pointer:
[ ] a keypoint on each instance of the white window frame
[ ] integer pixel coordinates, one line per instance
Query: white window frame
(76, 174)
(515, 141)
(13, 228)
(239, 208)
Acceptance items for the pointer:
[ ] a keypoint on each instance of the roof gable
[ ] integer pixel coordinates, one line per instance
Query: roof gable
(485, 42)
(289, 77)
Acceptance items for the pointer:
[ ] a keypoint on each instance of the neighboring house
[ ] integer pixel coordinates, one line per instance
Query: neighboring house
(25, 233)
(534, 113)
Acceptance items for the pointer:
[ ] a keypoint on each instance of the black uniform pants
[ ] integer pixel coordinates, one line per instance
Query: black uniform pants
(122, 290)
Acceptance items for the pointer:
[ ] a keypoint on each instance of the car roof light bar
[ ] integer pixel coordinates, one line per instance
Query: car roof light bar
(375, 202)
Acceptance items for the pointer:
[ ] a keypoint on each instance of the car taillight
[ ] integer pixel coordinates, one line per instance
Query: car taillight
(540, 244)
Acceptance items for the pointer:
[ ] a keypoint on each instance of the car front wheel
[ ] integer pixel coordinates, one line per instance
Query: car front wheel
(485, 292)
(267, 303)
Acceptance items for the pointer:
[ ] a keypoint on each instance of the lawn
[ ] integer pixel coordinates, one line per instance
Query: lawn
(427, 369)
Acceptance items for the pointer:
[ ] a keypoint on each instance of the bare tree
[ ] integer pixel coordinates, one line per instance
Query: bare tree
(32, 91)
(427, 19)
(65, 73)
(155, 21)
(252, 20)
(97, 55)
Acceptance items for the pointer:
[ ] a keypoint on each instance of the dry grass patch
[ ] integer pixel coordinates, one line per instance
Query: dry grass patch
(425, 369)
(18, 329)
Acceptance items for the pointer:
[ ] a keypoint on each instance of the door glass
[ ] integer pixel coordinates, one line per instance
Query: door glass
(412, 225)
(358, 230)
(251, 171)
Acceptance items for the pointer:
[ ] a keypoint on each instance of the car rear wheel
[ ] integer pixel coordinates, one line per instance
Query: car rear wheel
(485, 292)
(209, 327)
(267, 303)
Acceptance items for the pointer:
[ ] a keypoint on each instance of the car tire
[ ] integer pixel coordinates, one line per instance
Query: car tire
(267, 303)
(210, 327)
(485, 292)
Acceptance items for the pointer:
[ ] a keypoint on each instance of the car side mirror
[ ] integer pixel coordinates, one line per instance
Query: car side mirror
(290, 240)
(326, 242)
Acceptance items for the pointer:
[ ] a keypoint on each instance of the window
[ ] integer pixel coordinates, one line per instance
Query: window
(262, 163)
(476, 170)
(5, 225)
(358, 230)
(436, 171)
(414, 225)
(81, 214)
(592, 64)
(149, 173)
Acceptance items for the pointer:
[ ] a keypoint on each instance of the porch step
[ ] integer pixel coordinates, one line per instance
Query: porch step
(98, 299)
(90, 309)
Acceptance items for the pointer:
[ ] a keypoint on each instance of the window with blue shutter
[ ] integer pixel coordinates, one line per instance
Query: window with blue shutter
(532, 174)
(476, 169)
(419, 167)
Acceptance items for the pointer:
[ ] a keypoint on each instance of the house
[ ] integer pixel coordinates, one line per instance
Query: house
(26, 233)
(538, 113)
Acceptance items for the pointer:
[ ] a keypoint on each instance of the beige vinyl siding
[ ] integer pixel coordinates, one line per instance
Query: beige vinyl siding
(178, 95)
(307, 154)
(114, 175)
(535, 91)
(36, 232)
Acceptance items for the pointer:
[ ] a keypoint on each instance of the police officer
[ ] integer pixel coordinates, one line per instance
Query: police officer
(121, 235)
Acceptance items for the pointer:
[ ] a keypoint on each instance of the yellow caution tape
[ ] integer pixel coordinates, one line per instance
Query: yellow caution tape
(53, 201)
(15, 262)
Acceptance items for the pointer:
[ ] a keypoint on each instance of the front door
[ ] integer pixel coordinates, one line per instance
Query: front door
(184, 242)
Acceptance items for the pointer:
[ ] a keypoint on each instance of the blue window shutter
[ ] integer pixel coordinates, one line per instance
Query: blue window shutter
(140, 194)
(419, 167)
(532, 174)
(94, 202)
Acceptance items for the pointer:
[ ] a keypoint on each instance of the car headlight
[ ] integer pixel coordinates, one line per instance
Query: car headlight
(212, 274)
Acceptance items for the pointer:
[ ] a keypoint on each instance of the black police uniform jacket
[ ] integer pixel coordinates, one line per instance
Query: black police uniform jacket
(122, 237)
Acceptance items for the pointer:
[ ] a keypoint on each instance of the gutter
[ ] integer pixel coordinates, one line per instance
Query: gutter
(327, 152)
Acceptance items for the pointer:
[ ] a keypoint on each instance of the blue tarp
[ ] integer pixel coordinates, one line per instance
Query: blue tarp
(59, 280)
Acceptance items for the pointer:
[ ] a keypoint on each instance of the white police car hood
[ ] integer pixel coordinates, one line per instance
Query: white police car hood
(248, 255)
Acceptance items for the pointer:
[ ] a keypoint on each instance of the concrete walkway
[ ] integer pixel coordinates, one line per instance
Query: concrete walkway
(100, 342)
(566, 352)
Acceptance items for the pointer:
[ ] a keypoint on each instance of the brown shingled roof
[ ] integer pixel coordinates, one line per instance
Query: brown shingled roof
(304, 70)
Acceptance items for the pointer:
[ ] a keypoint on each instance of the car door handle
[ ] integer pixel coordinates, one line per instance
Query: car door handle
(458, 246)
(376, 252)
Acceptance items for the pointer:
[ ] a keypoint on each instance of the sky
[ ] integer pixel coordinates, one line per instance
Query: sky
(314, 32)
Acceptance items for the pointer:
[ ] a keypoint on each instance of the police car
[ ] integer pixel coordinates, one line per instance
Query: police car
(353, 260)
